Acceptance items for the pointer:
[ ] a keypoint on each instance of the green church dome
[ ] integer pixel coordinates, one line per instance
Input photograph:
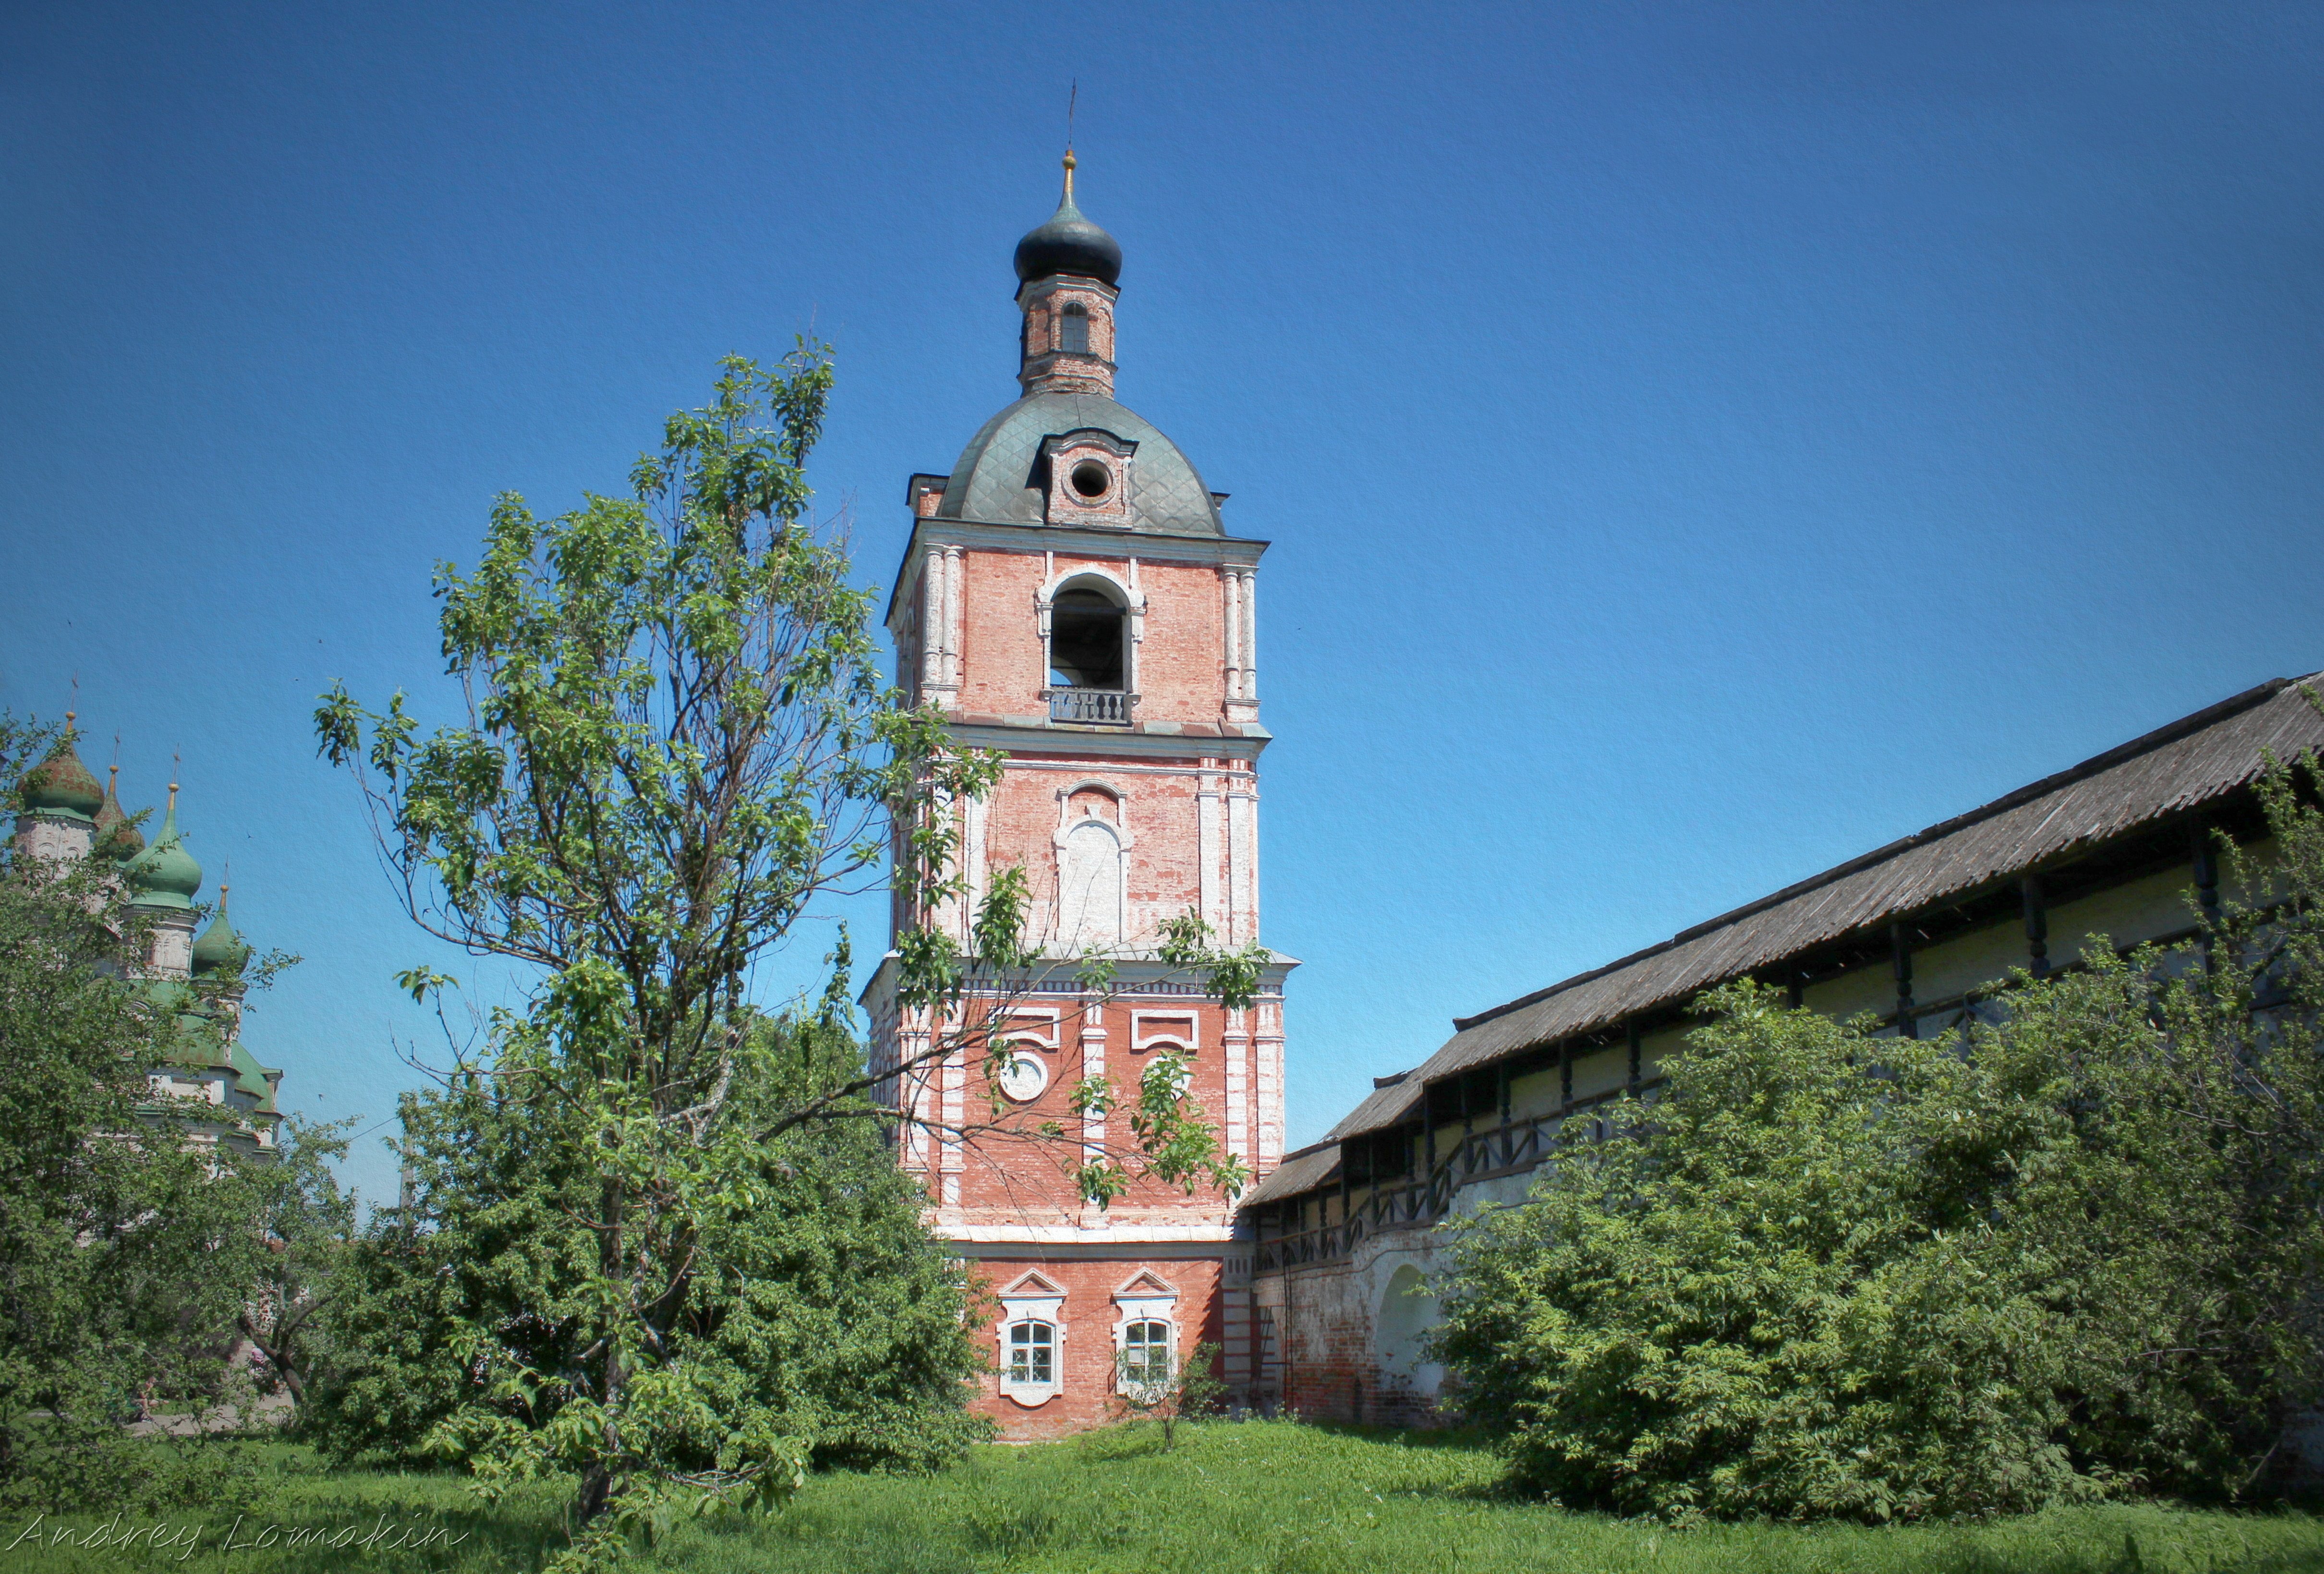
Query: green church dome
(61, 785)
(165, 874)
(219, 950)
(116, 838)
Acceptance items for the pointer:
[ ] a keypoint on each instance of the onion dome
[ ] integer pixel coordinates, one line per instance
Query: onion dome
(165, 874)
(61, 785)
(1069, 244)
(220, 952)
(116, 838)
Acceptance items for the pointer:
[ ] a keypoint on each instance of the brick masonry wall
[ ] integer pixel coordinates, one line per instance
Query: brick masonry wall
(1013, 1174)
(1089, 1319)
(1153, 806)
(1325, 1356)
(1179, 661)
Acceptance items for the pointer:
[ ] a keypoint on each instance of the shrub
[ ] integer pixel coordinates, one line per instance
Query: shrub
(2066, 1250)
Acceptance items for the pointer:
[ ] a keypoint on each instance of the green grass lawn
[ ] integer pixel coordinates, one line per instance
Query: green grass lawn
(1273, 1498)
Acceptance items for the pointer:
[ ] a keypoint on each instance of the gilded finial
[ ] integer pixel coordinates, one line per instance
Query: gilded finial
(1069, 177)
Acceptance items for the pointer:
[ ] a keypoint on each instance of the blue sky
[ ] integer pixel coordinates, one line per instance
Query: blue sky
(1699, 442)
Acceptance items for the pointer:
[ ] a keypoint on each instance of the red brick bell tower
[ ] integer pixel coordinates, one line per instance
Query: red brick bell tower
(1071, 599)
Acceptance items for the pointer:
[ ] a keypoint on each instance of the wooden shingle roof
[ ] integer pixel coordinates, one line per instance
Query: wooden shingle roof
(2194, 761)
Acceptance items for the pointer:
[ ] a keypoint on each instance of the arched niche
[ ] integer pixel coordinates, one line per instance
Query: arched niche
(1408, 1312)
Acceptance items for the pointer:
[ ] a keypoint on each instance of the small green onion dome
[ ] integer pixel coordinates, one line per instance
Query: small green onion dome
(116, 838)
(165, 874)
(61, 785)
(219, 950)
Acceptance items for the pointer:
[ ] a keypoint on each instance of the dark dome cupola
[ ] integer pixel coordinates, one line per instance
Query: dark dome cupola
(1068, 243)
(1067, 271)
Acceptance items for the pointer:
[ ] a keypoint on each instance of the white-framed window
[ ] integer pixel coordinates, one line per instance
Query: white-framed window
(1146, 1339)
(1146, 1352)
(1032, 1355)
(1032, 1336)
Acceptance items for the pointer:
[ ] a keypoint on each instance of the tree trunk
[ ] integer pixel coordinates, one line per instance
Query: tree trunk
(596, 1486)
(597, 1480)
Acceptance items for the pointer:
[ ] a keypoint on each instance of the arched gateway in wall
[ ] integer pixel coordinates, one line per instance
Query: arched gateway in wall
(1071, 599)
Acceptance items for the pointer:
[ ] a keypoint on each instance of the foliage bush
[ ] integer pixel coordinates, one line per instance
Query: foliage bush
(828, 1315)
(2071, 1251)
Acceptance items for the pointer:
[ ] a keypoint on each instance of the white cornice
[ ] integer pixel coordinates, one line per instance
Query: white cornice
(1130, 973)
(1095, 1243)
(1033, 736)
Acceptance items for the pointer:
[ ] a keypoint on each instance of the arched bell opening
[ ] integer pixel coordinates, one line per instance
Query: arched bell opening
(1088, 635)
(1089, 653)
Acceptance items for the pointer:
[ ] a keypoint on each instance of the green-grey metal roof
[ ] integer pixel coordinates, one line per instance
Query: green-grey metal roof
(996, 476)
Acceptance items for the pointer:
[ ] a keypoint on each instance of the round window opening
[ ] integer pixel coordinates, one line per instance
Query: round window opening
(1023, 1078)
(1092, 479)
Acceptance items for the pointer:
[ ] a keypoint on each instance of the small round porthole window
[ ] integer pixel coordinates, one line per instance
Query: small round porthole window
(1024, 1077)
(1092, 479)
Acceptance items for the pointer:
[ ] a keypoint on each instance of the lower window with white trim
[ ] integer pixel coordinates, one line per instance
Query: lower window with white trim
(1031, 1334)
(1146, 1332)
(1032, 1356)
(1146, 1353)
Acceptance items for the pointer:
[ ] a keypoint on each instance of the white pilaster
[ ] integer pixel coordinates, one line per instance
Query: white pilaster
(1267, 1046)
(956, 1114)
(973, 817)
(955, 588)
(1208, 850)
(1092, 1048)
(932, 621)
(1235, 1046)
(1250, 599)
(1230, 587)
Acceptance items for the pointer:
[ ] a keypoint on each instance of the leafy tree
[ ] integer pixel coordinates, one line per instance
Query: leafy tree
(2071, 1251)
(306, 1228)
(1151, 1386)
(124, 1252)
(677, 742)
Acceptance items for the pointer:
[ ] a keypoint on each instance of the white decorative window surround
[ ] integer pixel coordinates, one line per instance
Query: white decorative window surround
(1092, 845)
(1180, 1030)
(1146, 1301)
(1031, 1333)
(1089, 479)
(1025, 1026)
(1107, 587)
(1028, 1034)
